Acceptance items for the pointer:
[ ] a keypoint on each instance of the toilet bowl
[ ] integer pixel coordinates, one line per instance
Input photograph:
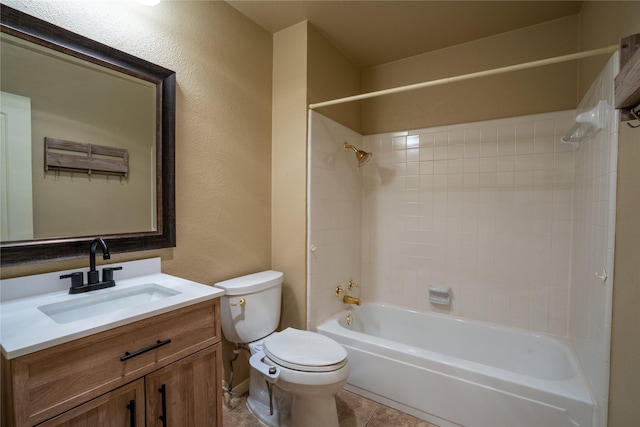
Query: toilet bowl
(310, 369)
(294, 374)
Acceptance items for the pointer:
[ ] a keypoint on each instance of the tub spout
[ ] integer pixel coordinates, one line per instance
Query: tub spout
(348, 299)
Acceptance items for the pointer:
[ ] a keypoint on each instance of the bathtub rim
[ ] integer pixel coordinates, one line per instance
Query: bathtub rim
(575, 388)
(445, 316)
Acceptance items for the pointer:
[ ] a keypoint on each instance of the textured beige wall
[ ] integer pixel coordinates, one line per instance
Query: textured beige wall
(306, 68)
(332, 75)
(223, 63)
(289, 170)
(602, 24)
(625, 330)
(549, 88)
(223, 125)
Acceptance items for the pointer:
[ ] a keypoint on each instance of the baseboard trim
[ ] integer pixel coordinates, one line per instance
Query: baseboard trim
(241, 388)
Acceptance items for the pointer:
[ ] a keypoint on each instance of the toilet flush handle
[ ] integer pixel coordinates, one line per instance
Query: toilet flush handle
(241, 302)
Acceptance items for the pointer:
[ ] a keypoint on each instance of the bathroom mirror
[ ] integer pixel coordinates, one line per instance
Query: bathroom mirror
(108, 100)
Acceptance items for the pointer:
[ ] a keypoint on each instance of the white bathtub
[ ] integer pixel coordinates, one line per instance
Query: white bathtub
(452, 371)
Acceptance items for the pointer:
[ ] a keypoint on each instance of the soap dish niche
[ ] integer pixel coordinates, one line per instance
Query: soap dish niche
(440, 295)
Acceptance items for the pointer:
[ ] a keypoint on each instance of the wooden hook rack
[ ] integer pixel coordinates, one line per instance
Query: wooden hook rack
(89, 158)
(627, 82)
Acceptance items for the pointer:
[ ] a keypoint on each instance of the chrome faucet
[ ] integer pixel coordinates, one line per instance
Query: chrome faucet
(93, 275)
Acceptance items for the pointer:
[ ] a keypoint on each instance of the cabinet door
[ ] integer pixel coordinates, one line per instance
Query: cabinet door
(187, 392)
(122, 407)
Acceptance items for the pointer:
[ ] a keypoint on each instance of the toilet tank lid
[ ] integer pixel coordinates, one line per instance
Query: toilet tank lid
(251, 283)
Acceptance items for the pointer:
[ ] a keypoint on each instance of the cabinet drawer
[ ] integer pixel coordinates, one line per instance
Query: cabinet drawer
(56, 379)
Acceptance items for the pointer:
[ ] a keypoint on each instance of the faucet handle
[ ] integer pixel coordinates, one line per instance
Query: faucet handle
(340, 290)
(107, 273)
(353, 284)
(93, 277)
(76, 279)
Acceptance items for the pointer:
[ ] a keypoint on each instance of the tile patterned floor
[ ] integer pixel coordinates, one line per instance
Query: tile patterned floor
(353, 411)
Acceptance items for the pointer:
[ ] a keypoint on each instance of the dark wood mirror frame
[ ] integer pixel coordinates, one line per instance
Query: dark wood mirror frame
(40, 32)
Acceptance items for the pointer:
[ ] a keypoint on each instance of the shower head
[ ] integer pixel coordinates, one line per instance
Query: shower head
(362, 156)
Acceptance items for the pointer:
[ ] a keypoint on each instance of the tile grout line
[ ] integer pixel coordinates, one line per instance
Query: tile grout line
(373, 414)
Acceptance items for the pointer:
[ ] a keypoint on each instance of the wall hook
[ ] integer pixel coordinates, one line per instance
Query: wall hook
(602, 276)
(636, 116)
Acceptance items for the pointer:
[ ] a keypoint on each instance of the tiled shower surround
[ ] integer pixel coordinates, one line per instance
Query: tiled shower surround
(482, 208)
(594, 215)
(335, 216)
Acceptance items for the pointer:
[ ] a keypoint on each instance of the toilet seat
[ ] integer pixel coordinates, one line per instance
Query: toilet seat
(305, 351)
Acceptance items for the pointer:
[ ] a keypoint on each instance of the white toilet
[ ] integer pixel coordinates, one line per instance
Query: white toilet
(295, 374)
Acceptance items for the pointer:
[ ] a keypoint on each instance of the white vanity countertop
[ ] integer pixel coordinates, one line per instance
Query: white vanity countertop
(25, 328)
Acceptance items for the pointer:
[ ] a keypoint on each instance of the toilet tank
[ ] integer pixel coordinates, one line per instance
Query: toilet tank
(250, 307)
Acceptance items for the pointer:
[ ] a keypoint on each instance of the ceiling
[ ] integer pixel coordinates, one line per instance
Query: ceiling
(371, 33)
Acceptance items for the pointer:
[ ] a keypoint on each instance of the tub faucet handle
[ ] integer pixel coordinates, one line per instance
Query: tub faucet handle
(349, 320)
(340, 290)
(353, 285)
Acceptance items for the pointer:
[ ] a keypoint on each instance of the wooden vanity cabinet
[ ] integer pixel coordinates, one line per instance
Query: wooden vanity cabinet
(114, 378)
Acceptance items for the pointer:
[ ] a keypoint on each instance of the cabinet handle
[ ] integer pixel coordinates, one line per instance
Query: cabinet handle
(158, 343)
(132, 413)
(163, 417)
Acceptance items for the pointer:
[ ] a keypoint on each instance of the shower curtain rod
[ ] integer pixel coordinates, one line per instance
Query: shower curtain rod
(438, 82)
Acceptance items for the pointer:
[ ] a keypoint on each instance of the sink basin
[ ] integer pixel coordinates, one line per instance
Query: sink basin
(94, 305)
